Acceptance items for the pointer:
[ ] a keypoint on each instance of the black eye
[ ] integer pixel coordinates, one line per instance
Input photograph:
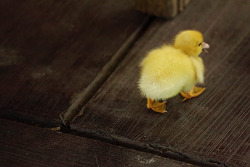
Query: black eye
(199, 44)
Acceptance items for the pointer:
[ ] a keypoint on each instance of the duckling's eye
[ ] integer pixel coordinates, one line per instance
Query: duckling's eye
(199, 44)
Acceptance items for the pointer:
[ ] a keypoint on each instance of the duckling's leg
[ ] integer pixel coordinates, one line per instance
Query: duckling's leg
(156, 106)
(149, 103)
(194, 92)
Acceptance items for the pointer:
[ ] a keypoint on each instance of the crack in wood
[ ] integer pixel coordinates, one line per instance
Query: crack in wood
(153, 148)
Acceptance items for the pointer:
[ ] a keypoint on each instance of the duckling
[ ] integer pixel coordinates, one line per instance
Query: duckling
(173, 69)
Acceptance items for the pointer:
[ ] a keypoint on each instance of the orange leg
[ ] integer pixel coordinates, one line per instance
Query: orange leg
(156, 106)
(194, 92)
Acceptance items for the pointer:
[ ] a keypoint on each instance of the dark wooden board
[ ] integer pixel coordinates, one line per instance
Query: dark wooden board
(161, 8)
(214, 126)
(25, 145)
(50, 50)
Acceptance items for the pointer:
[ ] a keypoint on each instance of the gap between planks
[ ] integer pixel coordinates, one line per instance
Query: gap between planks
(152, 148)
(85, 95)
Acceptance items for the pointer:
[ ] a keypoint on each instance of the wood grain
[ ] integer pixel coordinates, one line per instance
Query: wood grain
(214, 126)
(50, 51)
(23, 145)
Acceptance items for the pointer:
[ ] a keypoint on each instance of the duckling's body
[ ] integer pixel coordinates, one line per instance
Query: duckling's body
(170, 70)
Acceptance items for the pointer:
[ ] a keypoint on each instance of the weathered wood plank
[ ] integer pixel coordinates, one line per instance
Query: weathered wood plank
(161, 8)
(50, 50)
(25, 145)
(214, 126)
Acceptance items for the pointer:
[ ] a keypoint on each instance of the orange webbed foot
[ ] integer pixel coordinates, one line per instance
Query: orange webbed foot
(156, 106)
(196, 91)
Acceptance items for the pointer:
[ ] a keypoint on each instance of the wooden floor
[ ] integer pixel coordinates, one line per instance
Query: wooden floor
(74, 65)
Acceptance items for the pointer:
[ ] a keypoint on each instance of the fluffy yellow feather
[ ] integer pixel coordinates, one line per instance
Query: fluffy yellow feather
(173, 69)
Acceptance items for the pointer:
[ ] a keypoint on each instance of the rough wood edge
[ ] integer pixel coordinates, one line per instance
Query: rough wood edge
(61, 141)
(152, 148)
(85, 95)
(162, 8)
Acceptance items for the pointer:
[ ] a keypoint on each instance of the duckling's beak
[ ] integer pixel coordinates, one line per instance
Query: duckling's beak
(205, 46)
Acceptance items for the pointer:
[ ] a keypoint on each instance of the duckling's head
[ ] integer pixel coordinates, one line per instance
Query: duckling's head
(190, 42)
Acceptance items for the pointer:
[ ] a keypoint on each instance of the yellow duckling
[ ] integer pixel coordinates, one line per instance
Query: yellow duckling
(169, 70)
